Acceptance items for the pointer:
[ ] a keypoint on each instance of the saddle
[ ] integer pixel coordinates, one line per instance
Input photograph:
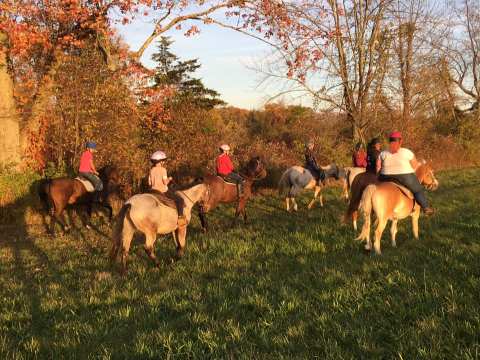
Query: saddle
(227, 181)
(163, 199)
(86, 184)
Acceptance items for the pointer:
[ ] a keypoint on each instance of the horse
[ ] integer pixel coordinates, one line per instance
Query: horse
(297, 178)
(342, 181)
(58, 193)
(360, 182)
(390, 201)
(350, 175)
(151, 216)
(224, 192)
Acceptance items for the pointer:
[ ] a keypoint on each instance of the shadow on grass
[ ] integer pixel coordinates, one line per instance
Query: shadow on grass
(283, 286)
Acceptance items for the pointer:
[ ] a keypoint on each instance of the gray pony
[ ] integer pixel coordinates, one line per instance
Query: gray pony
(297, 178)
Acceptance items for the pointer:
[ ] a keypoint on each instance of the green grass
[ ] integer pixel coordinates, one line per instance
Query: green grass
(284, 286)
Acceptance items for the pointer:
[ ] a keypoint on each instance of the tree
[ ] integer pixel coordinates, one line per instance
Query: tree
(417, 26)
(9, 119)
(173, 73)
(337, 54)
(463, 52)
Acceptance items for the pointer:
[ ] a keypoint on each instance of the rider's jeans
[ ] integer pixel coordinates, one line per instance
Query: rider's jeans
(94, 179)
(410, 181)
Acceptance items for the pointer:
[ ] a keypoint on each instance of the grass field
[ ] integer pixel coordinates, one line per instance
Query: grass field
(292, 286)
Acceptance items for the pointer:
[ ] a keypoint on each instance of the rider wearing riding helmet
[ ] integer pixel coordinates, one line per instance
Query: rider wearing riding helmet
(311, 163)
(398, 164)
(225, 168)
(158, 181)
(87, 169)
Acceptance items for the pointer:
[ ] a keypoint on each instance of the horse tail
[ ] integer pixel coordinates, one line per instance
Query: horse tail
(121, 222)
(284, 182)
(43, 192)
(347, 178)
(357, 190)
(366, 207)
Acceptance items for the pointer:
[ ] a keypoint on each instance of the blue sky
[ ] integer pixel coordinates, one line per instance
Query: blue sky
(224, 55)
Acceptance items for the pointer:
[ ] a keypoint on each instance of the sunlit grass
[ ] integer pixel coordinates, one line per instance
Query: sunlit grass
(283, 286)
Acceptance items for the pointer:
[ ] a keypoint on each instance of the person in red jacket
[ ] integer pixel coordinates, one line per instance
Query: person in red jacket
(359, 156)
(225, 168)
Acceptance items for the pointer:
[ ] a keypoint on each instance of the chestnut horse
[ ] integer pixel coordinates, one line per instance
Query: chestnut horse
(56, 194)
(359, 184)
(223, 192)
(391, 202)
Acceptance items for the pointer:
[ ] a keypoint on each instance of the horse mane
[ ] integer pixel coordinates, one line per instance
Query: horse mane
(251, 166)
(183, 187)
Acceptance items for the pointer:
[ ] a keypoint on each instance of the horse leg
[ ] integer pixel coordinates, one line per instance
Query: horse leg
(415, 217)
(345, 189)
(287, 202)
(127, 236)
(393, 232)
(60, 217)
(355, 218)
(150, 238)
(203, 219)
(382, 222)
(315, 194)
(242, 205)
(295, 206)
(181, 242)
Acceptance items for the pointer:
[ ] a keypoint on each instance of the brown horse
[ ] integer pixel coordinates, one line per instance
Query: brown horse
(360, 182)
(223, 192)
(391, 202)
(56, 194)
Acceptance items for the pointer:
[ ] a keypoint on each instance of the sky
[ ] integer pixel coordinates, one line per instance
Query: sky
(224, 56)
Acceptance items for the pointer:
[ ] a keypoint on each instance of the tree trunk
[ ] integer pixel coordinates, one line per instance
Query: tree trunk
(32, 132)
(9, 117)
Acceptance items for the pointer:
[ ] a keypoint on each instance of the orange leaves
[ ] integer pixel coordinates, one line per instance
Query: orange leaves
(192, 31)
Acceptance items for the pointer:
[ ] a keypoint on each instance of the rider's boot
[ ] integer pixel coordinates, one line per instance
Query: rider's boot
(428, 211)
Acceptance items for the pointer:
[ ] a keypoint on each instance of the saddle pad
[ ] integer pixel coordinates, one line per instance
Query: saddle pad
(226, 181)
(87, 184)
(404, 190)
(164, 199)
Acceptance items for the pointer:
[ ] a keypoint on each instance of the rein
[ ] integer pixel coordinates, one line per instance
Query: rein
(188, 197)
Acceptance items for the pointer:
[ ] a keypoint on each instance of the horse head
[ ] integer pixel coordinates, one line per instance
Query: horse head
(255, 169)
(426, 176)
(332, 170)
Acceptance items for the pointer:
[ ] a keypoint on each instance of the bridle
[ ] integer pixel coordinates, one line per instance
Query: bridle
(256, 177)
(206, 195)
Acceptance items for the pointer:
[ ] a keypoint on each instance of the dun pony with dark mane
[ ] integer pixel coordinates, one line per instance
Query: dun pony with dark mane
(149, 215)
